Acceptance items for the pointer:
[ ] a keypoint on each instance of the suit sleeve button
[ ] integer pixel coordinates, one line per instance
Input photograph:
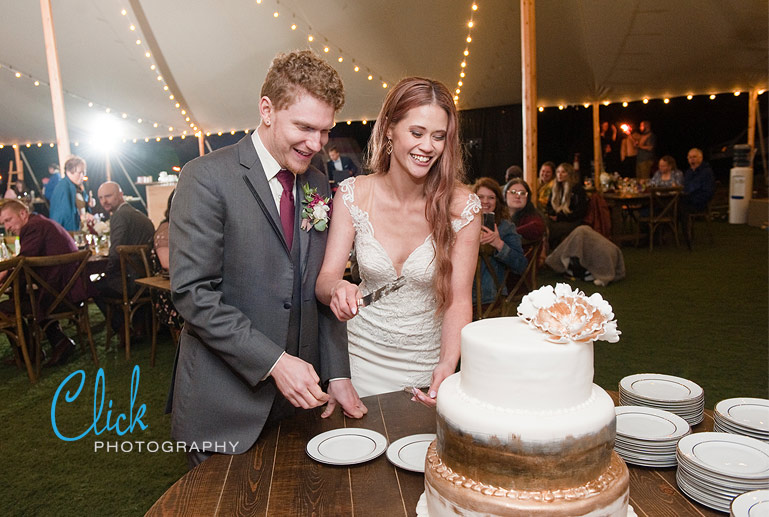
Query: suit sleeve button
(287, 306)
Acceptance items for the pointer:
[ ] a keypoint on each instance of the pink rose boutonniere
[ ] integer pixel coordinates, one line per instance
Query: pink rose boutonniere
(316, 210)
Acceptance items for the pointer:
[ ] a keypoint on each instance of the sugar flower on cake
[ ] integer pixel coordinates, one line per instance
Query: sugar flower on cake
(569, 315)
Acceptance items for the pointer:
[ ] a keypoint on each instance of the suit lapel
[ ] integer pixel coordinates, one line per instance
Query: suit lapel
(256, 182)
(304, 236)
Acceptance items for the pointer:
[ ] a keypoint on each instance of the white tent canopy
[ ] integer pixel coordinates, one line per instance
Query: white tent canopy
(214, 55)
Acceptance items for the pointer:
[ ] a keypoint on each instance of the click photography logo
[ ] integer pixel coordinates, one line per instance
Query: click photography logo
(113, 431)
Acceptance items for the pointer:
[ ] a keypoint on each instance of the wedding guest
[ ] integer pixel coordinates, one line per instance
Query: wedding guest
(545, 185)
(502, 243)
(699, 187)
(529, 222)
(514, 171)
(127, 226)
(647, 142)
(42, 237)
(339, 167)
(667, 174)
(54, 176)
(567, 205)
(629, 153)
(164, 306)
(412, 218)
(70, 203)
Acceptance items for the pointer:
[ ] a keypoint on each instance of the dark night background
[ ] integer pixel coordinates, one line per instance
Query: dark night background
(491, 138)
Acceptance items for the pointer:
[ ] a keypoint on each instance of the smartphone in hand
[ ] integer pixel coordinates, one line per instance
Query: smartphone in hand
(488, 220)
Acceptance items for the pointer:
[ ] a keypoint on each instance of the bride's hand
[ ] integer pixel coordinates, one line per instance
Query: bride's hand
(344, 300)
(440, 373)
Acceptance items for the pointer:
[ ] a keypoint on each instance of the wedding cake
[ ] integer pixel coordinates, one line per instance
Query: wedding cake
(522, 429)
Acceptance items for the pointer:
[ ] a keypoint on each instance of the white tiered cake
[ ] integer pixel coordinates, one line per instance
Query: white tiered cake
(522, 429)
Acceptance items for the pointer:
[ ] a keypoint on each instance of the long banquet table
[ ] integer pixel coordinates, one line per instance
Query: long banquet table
(276, 477)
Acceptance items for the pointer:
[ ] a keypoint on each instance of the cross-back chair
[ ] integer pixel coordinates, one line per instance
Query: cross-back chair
(663, 212)
(520, 285)
(134, 263)
(12, 323)
(50, 303)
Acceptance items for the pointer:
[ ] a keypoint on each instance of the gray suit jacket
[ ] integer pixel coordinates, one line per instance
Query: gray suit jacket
(232, 281)
(129, 226)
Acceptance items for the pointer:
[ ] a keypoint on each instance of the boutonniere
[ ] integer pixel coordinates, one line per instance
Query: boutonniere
(316, 209)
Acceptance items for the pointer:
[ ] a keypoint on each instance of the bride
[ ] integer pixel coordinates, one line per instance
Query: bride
(413, 218)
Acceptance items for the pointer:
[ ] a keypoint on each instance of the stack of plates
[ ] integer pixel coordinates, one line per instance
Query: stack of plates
(751, 504)
(714, 468)
(680, 396)
(648, 436)
(745, 416)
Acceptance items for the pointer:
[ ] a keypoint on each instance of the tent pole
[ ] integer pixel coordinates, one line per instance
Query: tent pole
(752, 105)
(201, 143)
(19, 164)
(529, 93)
(597, 155)
(54, 77)
(130, 181)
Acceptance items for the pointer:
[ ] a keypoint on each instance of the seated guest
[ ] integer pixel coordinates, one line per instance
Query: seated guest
(528, 221)
(339, 167)
(545, 184)
(567, 205)
(42, 237)
(69, 201)
(513, 171)
(164, 306)
(668, 174)
(699, 187)
(501, 242)
(126, 226)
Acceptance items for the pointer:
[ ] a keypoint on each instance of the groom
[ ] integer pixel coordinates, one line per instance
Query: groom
(256, 344)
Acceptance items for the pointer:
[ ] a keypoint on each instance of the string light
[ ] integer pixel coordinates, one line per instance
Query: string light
(624, 104)
(666, 100)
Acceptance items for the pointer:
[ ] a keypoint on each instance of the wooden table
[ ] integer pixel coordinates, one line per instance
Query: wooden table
(159, 282)
(624, 214)
(276, 477)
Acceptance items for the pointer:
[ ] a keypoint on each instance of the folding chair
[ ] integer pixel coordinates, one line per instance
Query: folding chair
(51, 304)
(12, 324)
(134, 263)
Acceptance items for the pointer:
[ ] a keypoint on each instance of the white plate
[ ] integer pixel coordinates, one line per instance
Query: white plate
(750, 413)
(657, 386)
(647, 423)
(751, 504)
(409, 452)
(733, 455)
(346, 446)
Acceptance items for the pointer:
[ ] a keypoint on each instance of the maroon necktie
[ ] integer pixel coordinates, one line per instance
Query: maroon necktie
(286, 179)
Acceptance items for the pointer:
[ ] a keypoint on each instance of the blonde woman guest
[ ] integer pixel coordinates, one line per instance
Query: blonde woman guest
(545, 186)
(567, 205)
(413, 218)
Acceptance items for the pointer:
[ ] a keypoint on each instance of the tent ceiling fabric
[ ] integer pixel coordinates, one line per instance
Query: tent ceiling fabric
(218, 53)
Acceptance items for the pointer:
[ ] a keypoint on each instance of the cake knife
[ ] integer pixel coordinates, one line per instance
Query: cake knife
(382, 291)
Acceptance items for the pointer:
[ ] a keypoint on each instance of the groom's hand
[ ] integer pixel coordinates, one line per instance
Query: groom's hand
(341, 391)
(298, 382)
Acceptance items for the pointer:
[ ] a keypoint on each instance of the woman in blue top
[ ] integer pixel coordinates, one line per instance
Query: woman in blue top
(70, 202)
(502, 243)
(668, 174)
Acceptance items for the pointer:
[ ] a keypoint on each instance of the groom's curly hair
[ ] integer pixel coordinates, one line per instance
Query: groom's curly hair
(302, 69)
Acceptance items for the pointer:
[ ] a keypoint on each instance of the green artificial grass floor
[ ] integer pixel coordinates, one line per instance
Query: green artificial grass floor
(700, 315)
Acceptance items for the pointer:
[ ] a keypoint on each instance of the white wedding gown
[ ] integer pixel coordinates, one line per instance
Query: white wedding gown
(395, 342)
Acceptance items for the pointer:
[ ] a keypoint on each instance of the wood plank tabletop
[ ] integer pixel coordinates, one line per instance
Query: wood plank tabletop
(159, 282)
(276, 477)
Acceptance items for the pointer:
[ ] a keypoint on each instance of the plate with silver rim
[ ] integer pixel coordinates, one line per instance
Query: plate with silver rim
(745, 412)
(348, 446)
(751, 504)
(657, 386)
(409, 452)
(649, 424)
(735, 456)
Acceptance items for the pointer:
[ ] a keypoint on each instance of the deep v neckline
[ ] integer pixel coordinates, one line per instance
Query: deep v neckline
(384, 251)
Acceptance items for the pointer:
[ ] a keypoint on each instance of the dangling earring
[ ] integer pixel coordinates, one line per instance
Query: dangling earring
(389, 146)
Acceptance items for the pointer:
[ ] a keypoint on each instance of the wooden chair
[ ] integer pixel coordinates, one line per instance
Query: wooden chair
(134, 263)
(519, 286)
(707, 216)
(663, 212)
(50, 304)
(12, 324)
(486, 310)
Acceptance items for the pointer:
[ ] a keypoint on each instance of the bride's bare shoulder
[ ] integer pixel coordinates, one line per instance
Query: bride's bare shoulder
(462, 199)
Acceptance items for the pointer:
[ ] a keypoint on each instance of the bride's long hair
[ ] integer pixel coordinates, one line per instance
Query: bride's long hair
(443, 177)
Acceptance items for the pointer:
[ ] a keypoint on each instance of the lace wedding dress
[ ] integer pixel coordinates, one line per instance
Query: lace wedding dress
(395, 342)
